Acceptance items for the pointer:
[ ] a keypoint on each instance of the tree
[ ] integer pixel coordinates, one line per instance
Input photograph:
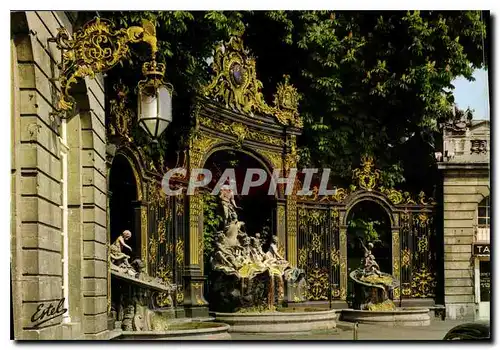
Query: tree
(372, 82)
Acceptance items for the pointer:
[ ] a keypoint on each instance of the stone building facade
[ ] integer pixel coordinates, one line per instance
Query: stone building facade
(465, 167)
(58, 235)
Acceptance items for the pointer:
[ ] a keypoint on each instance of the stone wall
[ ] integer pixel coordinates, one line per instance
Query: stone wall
(462, 192)
(37, 215)
(466, 182)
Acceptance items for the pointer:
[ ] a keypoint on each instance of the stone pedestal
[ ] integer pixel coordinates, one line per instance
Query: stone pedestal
(195, 304)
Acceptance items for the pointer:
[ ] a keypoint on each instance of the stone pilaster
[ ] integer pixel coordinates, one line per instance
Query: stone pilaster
(396, 257)
(343, 262)
(291, 229)
(195, 304)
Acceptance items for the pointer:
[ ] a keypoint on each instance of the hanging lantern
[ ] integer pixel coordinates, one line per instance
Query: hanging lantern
(154, 100)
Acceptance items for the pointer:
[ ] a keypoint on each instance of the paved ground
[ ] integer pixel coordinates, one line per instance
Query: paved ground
(436, 331)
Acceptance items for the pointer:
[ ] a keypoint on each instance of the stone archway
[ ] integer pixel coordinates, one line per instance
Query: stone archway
(123, 196)
(368, 215)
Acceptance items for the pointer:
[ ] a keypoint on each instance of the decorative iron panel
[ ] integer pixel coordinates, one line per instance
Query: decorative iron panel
(418, 255)
(318, 251)
(166, 237)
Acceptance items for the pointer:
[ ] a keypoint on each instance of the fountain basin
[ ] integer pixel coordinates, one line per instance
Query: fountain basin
(182, 331)
(409, 317)
(278, 321)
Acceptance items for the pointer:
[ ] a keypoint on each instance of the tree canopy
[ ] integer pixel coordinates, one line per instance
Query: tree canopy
(371, 82)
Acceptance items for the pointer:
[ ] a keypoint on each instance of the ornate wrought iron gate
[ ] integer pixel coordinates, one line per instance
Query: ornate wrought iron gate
(418, 258)
(322, 236)
(166, 222)
(318, 250)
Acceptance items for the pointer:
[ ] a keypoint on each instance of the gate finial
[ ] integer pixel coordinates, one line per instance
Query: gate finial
(366, 176)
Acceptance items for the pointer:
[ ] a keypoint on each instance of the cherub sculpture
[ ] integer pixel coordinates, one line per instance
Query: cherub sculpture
(118, 258)
(228, 204)
(370, 266)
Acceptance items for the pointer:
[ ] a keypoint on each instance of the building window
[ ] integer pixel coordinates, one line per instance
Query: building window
(483, 213)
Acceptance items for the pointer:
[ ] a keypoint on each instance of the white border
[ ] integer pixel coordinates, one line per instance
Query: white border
(190, 5)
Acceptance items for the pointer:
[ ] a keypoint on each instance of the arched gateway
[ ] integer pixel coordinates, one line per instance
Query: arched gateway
(322, 238)
(231, 114)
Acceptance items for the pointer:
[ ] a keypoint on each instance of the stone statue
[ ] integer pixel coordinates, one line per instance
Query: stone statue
(258, 243)
(370, 265)
(373, 289)
(273, 250)
(140, 269)
(223, 255)
(245, 275)
(232, 231)
(228, 204)
(118, 258)
(256, 252)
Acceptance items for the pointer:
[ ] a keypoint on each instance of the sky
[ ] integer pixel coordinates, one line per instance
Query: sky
(473, 94)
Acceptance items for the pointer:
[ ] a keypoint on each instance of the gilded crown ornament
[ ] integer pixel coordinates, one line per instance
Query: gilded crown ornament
(236, 85)
(154, 69)
(153, 76)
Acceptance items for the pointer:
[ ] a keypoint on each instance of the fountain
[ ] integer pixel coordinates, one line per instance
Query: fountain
(374, 294)
(248, 284)
(142, 306)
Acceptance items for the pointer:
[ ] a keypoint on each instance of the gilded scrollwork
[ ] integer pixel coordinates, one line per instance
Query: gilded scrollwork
(179, 296)
(423, 244)
(395, 196)
(318, 285)
(302, 258)
(335, 257)
(241, 131)
(423, 283)
(316, 243)
(395, 254)
(179, 205)
(339, 195)
(335, 293)
(96, 48)
(195, 210)
(406, 289)
(162, 230)
(286, 100)
(367, 177)
(343, 293)
(156, 194)
(422, 219)
(275, 159)
(236, 85)
(198, 293)
(179, 250)
(153, 250)
(121, 116)
(281, 249)
(396, 293)
(405, 257)
(144, 235)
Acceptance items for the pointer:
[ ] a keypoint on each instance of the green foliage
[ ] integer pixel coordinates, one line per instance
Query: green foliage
(212, 221)
(364, 230)
(372, 82)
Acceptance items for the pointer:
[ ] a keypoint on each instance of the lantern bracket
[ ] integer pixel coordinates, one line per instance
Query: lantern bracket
(95, 48)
